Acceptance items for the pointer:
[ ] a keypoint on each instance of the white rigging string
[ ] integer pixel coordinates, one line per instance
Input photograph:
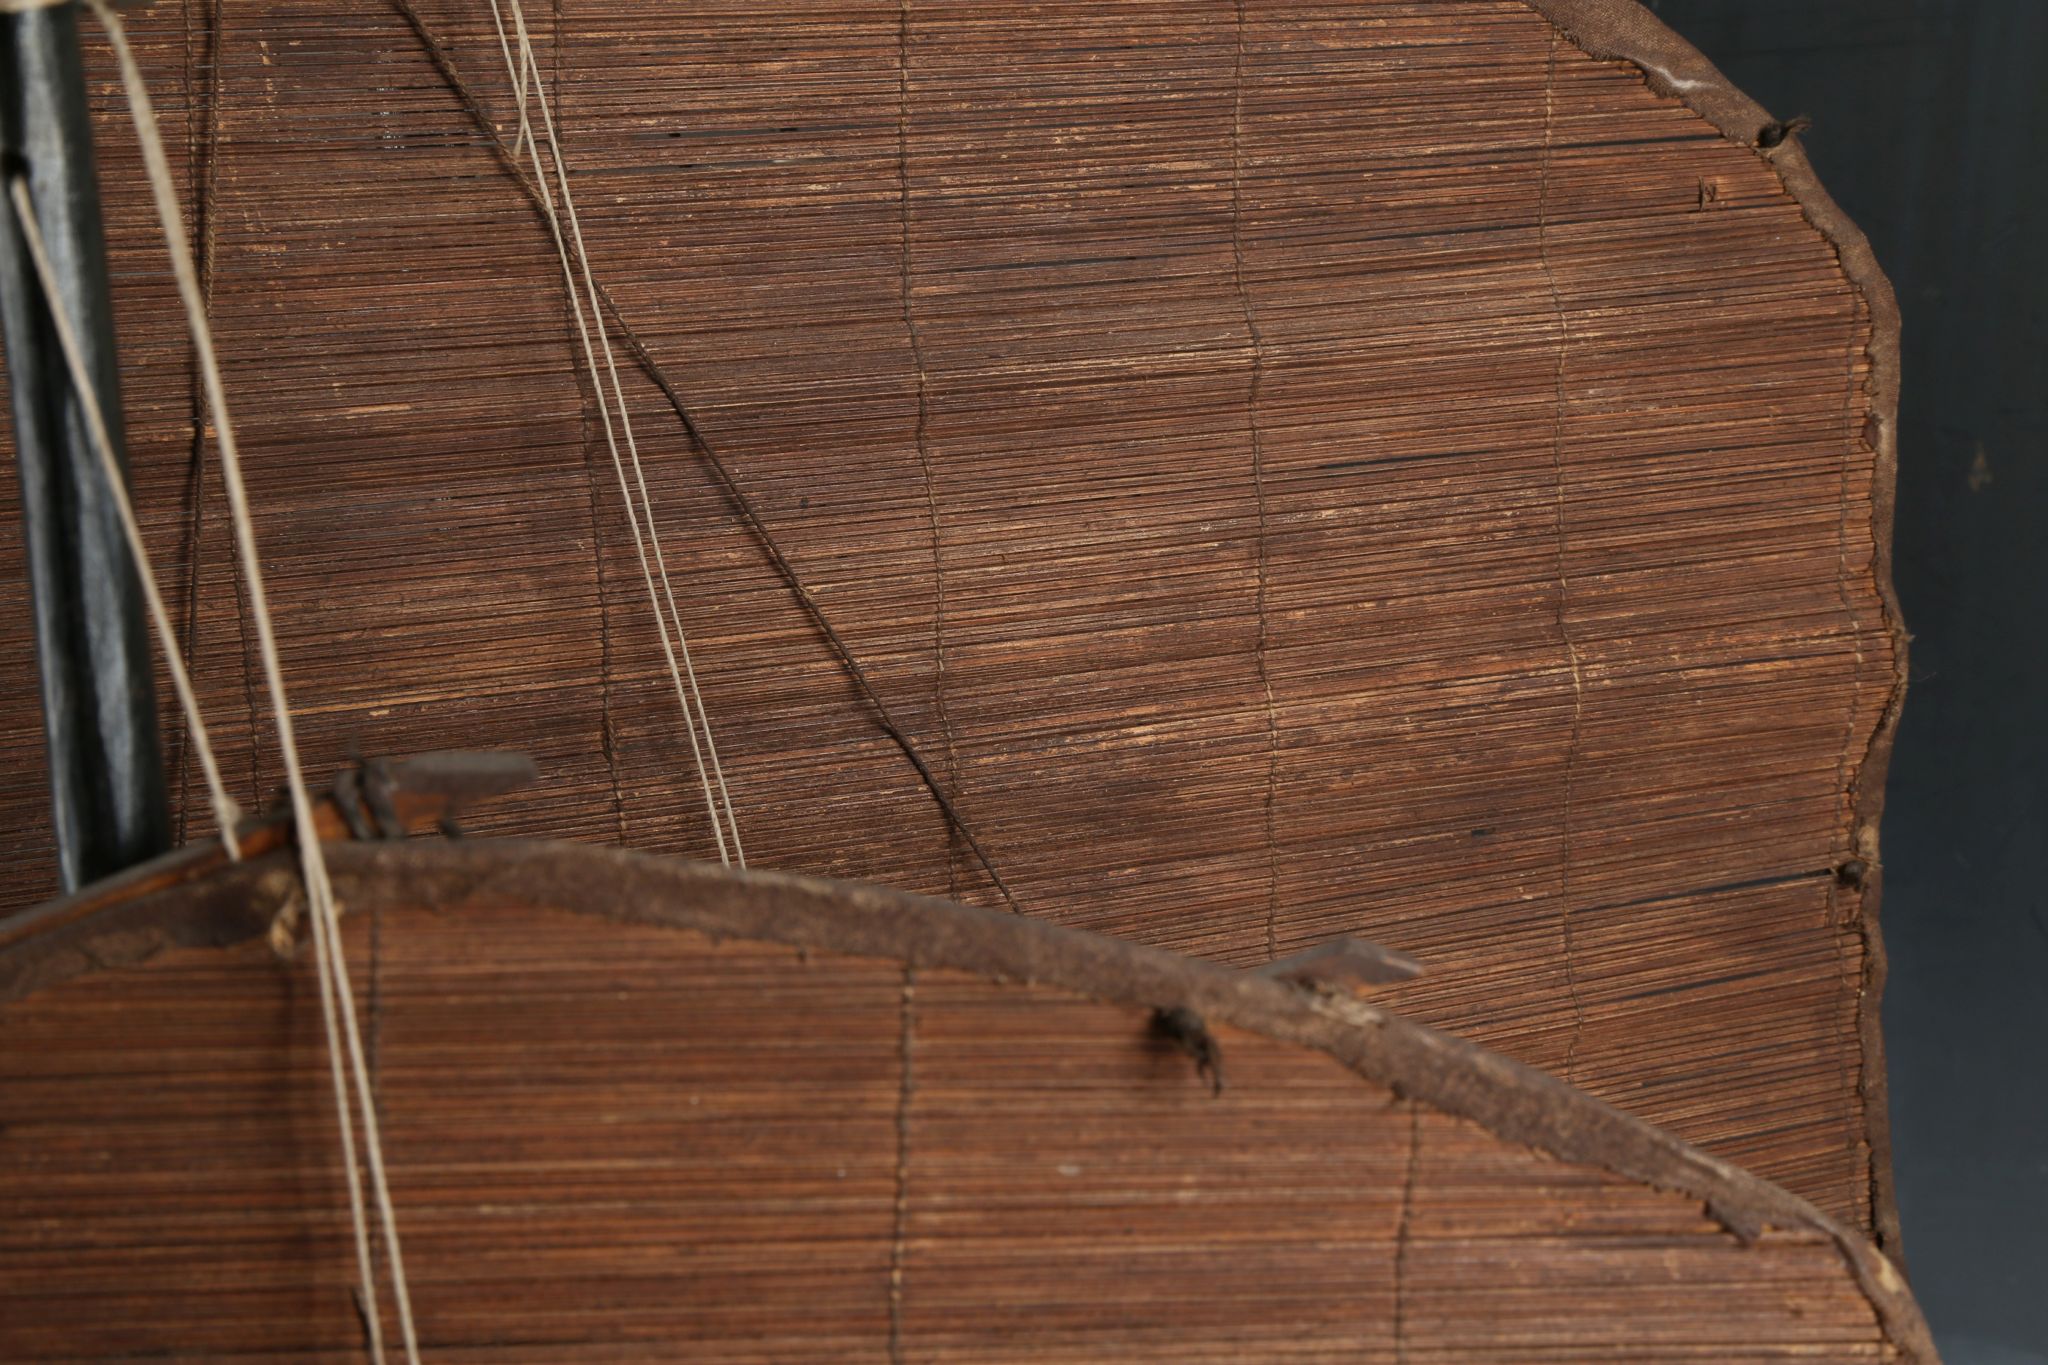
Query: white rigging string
(329, 958)
(724, 824)
(226, 813)
(346, 1058)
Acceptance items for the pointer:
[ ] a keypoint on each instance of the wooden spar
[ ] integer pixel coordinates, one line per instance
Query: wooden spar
(634, 1103)
(107, 801)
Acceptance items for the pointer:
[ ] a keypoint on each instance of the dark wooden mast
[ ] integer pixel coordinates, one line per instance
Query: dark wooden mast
(108, 804)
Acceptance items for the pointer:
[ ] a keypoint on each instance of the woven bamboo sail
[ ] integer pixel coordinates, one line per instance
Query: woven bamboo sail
(636, 1107)
(1417, 470)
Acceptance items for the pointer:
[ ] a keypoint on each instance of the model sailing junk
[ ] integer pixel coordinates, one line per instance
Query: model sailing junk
(1270, 474)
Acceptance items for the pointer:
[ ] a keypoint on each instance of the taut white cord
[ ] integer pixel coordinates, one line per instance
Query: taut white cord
(330, 960)
(724, 824)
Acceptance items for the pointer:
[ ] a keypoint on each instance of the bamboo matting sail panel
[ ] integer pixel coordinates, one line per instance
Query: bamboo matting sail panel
(634, 1106)
(1400, 468)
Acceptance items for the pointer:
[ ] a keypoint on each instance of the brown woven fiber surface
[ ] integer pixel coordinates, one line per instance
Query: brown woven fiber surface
(1289, 469)
(633, 1106)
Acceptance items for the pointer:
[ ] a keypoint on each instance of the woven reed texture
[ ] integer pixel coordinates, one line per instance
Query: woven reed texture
(610, 1139)
(1293, 470)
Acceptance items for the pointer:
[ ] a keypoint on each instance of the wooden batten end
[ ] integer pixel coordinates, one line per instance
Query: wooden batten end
(1345, 965)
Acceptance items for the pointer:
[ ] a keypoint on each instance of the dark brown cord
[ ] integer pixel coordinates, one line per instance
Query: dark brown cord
(741, 504)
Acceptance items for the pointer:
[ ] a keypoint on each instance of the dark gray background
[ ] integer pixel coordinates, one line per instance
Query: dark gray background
(1931, 130)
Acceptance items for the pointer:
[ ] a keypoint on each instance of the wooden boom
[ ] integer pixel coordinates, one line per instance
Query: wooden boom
(637, 1108)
